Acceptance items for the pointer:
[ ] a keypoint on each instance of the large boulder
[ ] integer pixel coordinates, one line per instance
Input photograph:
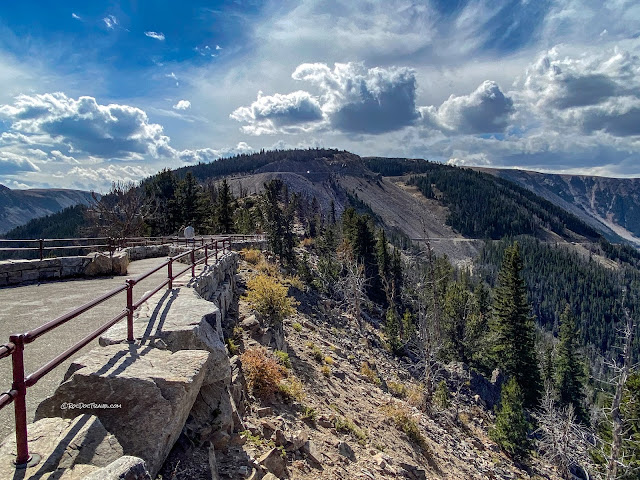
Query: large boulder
(69, 448)
(100, 264)
(141, 394)
(182, 320)
(119, 263)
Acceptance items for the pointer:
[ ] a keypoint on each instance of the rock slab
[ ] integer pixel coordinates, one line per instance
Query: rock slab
(70, 448)
(142, 395)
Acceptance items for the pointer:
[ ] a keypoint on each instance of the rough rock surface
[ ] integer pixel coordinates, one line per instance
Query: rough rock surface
(153, 390)
(73, 447)
(183, 321)
(125, 468)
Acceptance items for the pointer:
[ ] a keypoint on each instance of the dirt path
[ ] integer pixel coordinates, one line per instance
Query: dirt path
(25, 307)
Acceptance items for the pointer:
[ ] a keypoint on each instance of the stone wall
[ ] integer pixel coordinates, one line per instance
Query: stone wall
(15, 272)
(174, 379)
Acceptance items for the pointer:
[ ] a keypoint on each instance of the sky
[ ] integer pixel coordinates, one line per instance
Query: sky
(101, 91)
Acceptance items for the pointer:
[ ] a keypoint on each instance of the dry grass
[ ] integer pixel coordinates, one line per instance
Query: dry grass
(292, 389)
(370, 373)
(408, 425)
(252, 256)
(263, 372)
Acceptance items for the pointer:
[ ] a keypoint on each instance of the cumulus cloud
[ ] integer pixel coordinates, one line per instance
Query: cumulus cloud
(293, 112)
(182, 105)
(12, 163)
(360, 100)
(593, 91)
(86, 127)
(110, 21)
(205, 155)
(155, 35)
(486, 110)
(101, 177)
(352, 99)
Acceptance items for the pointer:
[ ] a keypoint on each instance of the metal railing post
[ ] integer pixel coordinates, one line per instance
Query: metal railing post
(193, 262)
(206, 254)
(23, 459)
(170, 273)
(41, 248)
(216, 250)
(130, 284)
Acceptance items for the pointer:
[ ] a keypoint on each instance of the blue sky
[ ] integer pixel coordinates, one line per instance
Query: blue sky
(92, 92)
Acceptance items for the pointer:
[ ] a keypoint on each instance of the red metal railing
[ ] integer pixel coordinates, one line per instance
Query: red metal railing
(56, 245)
(17, 342)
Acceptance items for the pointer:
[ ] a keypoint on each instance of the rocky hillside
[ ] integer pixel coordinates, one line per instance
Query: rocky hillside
(346, 409)
(612, 205)
(17, 207)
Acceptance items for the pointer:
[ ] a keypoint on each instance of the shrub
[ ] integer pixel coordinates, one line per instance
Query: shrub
(295, 282)
(317, 354)
(269, 298)
(297, 327)
(232, 346)
(397, 389)
(307, 242)
(252, 256)
(328, 360)
(268, 269)
(346, 425)
(326, 370)
(371, 374)
(292, 390)
(262, 371)
(408, 425)
(283, 358)
(309, 414)
(416, 396)
(441, 396)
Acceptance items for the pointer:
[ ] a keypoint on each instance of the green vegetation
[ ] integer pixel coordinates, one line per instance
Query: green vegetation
(483, 206)
(511, 427)
(67, 223)
(569, 370)
(513, 328)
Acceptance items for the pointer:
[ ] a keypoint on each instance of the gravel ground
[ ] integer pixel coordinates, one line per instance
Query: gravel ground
(25, 307)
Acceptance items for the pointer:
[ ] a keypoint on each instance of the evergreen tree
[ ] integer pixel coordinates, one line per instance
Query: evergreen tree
(513, 328)
(510, 430)
(225, 208)
(568, 367)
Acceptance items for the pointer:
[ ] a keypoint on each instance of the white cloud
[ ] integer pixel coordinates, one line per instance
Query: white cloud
(155, 35)
(591, 91)
(76, 16)
(209, 154)
(486, 110)
(99, 178)
(295, 111)
(182, 105)
(85, 126)
(360, 100)
(12, 164)
(110, 21)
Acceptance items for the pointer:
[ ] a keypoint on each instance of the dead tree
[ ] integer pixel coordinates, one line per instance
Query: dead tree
(353, 287)
(120, 213)
(563, 441)
(616, 463)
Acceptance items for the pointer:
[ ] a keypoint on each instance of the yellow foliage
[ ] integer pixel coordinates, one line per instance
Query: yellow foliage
(269, 298)
(252, 256)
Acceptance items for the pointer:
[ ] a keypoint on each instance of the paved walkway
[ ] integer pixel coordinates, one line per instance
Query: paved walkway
(25, 307)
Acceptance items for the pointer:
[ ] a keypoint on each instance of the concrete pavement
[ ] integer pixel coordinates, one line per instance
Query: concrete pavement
(25, 307)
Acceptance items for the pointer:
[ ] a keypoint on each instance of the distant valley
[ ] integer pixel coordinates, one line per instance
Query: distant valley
(611, 205)
(17, 207)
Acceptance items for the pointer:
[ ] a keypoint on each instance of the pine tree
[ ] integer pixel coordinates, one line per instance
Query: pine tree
(568, 372)
(510, 430)
(224, 208)
(513, 328)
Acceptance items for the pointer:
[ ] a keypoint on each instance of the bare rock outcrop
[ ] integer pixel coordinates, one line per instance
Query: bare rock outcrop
(142, 395)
